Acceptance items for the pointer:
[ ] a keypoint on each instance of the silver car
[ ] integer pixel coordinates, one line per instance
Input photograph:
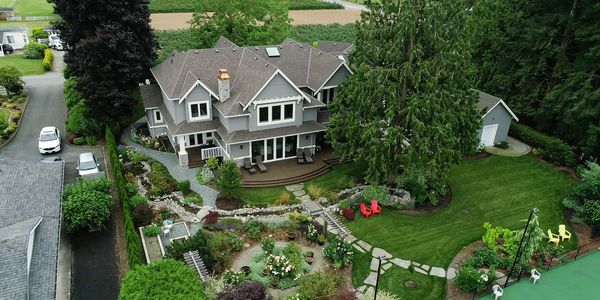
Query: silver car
(87, 164)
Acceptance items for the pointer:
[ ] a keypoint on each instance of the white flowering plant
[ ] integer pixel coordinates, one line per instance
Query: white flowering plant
(339, 252)
(205, 175)
(311, 233)
(279, 266)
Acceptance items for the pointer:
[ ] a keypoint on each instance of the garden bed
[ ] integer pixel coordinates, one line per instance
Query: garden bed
(11, 110)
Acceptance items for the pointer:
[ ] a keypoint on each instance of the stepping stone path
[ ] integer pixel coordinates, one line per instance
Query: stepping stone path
(387, 262)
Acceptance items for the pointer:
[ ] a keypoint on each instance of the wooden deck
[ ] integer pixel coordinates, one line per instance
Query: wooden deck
(288, 171)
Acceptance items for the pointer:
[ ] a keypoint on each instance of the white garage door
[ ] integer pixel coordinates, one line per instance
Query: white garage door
(488, 135)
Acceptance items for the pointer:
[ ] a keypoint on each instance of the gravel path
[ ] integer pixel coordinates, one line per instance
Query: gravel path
(169, 160)
(169, 21)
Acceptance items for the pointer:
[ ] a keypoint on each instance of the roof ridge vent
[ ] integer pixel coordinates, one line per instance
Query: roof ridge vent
(256, 57)
(233, 49)
(256, 48)
(266, 65)
(301, 46)
(280, 47)
(335, 44)
(217, 50)
(196, 51)
(320, 52)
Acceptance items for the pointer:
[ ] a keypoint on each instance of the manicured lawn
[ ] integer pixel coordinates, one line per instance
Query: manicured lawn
(337, 179)
(499, 190)
(26, 66)
(29, 7)
(263, 196)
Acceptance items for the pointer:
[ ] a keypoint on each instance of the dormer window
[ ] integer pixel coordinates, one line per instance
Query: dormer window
(198, 111)
(327, 95)
(157, 116)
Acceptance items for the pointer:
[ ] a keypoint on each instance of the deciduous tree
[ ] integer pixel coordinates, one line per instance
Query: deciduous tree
(408, 107)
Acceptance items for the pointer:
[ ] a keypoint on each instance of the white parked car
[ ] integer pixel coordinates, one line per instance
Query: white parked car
(87, 164)
(49, 140)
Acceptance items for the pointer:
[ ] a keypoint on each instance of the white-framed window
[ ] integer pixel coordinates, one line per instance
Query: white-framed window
(198, 111)
(157, 116)
(276, 113)
(10, 39)
(195, 139)
(327, 95)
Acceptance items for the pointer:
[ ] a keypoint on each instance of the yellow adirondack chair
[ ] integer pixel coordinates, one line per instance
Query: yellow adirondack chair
(564, 234)
(553, 238)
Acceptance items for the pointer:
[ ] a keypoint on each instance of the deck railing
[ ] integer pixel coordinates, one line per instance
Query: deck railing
(212, 152)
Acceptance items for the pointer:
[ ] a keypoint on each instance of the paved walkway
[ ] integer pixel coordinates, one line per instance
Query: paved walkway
(169, 160)
(348, 5)
(387, 260)
(515, 148)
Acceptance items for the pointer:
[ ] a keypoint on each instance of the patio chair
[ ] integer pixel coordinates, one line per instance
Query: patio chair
(259, 164)
(564, 234)
(365, 210)
(535, 275)
(166, 230)
(299, 156)
(498, 292)
(553, 238)
(375, 208)
(307, 156)
(248, 166)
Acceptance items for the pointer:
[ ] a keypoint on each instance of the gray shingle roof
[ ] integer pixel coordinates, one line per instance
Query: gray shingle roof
(8, 29)
(223, 42)
(29, 190)
(245, 135)
(335, 48)
(249, 69)
(151, 95)
(486, 101)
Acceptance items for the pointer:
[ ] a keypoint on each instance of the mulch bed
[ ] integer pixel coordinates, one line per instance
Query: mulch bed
(428, 208)
(478, 156)
(229, 203)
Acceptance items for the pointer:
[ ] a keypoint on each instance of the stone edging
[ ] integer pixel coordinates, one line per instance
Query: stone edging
(18, 124)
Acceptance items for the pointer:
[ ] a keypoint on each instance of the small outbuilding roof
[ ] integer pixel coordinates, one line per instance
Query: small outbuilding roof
(30, 195)
(487, 103)
(12, 29)
(5, 9)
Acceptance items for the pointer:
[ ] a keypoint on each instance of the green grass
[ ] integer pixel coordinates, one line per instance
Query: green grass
(29, 24)
(337, 179)
(26, 66)
(499, 190)
(263, 196)
(30, 7)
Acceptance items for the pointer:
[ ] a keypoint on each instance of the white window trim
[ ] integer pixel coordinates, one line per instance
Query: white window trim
(200, 118)
(158, 120)
(270, 114)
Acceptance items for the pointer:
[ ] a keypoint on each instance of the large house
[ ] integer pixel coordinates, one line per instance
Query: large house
(260, 103)
(14, 36)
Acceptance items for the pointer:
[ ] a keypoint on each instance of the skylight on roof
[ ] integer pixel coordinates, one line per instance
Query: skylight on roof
(272, 51)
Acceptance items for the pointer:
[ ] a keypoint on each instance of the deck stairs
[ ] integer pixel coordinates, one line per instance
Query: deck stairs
(193, 260)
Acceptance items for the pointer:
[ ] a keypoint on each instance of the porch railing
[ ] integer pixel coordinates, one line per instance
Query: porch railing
(212, 152)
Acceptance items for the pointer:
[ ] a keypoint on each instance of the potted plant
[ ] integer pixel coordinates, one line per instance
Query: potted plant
(246, 270)
(291, 236)
(309, 260)
(274, 281)
(309, 254)
(265, 272)
(321, 240)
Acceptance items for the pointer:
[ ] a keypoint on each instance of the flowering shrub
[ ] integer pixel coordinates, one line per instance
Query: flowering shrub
(268, 245)
(339, 252)
(146, 141)
(279, 266)
(474, 280)
(312, 233)
(204, 175)
(348, 213)
(234, 278)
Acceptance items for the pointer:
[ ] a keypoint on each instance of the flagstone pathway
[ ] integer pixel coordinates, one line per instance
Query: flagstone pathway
(387, 260)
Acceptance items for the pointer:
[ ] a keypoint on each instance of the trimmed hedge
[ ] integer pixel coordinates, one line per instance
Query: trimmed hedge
(34, 50)
(551, 148)
(169, 6)
(134, 249)
(48, 58)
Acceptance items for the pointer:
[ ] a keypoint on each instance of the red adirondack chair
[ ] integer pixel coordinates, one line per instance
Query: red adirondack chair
(375, 208)
(365, 210)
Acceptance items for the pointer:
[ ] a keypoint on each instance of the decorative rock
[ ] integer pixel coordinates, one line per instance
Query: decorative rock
(439, 272)
(305, 198)
(401, 263)
(350, 238)
(378, 252)
(359, 249)
(364, 245)
(371, 279)
(295, 187)
(451, 273)
(202, 213)
(299, 193)
(281, 209)
(246, 246)
(419, 270)
(425, 267)
(386, 266)
(322, 200)
(374, 264)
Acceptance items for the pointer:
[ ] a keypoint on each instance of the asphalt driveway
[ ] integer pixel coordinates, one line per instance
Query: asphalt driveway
(92, 272)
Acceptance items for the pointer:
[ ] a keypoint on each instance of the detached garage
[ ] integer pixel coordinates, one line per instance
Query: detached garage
(495, 121)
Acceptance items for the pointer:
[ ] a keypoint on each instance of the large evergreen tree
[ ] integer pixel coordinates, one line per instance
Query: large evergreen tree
(110, 49)
(541, 56)
(245, 22)
(407, 110)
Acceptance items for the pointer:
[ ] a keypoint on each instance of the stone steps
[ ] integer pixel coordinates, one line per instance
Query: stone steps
(194, 261)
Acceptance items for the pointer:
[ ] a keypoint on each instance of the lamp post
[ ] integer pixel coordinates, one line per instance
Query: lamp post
(518, 254)
(378, 272)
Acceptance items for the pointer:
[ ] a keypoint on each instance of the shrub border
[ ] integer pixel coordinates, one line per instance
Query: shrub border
(133, 243)
(18, 124)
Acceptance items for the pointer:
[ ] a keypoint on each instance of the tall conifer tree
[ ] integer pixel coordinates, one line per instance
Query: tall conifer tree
(407, 110)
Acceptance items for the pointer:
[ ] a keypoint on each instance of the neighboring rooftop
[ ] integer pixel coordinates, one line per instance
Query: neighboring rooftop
(11, 29)
(30, 196)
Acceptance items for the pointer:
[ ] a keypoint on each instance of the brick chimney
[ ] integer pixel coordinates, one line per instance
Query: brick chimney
(223, 79)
